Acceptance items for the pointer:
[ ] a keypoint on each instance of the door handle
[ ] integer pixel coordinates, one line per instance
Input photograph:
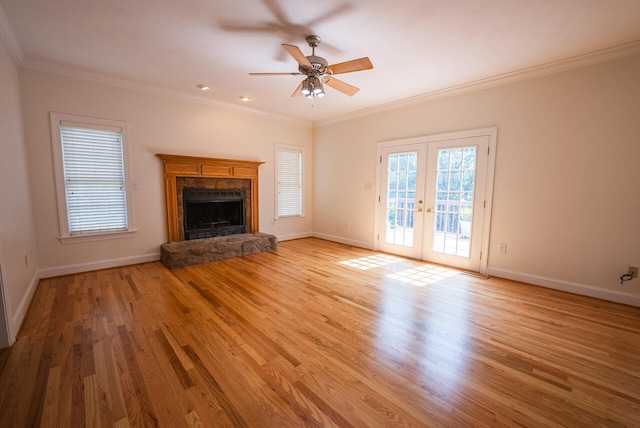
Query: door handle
(429, 211)
(418, 210)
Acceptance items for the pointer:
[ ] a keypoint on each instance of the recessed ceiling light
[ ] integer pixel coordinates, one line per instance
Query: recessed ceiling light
(203, 87)
(244, 98)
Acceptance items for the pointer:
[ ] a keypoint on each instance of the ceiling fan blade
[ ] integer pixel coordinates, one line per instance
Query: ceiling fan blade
(330, 14)
(297, 54)
(274, 74)
(350, 66)
(339, 85)
(277, 10)
(297, 92)
(230, 26)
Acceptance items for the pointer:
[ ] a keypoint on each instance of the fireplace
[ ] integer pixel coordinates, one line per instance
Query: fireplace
(213, 212)
(213, 188)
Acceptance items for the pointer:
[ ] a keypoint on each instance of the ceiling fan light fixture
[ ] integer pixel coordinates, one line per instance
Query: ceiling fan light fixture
(306, 87)
(316, 84)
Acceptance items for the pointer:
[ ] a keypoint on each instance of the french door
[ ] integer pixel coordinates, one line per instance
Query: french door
(433, 199)
(402, 184)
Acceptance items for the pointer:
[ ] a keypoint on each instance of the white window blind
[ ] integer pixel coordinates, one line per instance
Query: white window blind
(289, 180)
(94, 179)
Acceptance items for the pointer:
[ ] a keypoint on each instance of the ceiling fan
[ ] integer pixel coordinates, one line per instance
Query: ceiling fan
(318, 71)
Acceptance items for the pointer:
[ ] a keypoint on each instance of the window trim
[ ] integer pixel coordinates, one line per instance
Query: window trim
(289, 148)
(91, 123)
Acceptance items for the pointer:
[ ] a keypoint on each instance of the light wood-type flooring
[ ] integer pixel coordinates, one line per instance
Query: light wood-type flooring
(317, 334)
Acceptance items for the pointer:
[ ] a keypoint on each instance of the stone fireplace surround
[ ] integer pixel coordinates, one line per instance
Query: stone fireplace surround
(212, 183)
(198, 172)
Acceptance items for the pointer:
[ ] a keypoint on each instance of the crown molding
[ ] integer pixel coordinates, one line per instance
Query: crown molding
(579, 61)
(8, 37)
(104, 79)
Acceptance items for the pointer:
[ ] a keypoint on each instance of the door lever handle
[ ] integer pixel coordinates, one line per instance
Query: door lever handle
(418, 210)
(429, 211)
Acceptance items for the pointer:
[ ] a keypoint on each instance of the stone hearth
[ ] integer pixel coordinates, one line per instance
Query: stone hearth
(187, 253)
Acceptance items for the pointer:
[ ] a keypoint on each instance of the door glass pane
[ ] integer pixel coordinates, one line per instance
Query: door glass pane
(455, 187)
(401, 179)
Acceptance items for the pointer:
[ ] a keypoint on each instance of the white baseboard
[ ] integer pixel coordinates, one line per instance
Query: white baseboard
(571, 287)
(341, 240)
(23, 307)
(102, 264)
(294, 236)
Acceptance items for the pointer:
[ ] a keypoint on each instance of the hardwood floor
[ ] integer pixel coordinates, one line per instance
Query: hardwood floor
(317, 334)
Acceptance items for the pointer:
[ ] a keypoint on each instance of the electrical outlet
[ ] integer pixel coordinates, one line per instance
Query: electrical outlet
(503, 247)
(633, 271)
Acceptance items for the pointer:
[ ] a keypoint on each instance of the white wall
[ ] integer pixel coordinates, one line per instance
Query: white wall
(18, 262)
(567, 181)
(157, 124)
(566, 193)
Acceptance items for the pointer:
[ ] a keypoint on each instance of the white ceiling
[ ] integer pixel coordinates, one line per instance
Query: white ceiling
(417, 47)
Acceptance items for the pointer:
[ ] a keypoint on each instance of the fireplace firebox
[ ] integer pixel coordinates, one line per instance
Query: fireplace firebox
(213, 212)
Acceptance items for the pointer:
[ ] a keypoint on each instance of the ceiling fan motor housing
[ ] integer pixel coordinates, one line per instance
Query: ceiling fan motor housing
(319, 66)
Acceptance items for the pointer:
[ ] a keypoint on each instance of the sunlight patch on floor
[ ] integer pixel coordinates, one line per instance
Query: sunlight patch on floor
(370, 262)
(423, 275)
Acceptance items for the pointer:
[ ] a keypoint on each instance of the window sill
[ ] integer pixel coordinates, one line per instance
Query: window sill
(289, 219)
(77, 239)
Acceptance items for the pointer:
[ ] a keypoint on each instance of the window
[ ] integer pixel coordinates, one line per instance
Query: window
(91, 182)
(288, 181)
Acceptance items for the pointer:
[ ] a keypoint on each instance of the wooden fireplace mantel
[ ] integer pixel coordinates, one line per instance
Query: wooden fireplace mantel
(189, 166)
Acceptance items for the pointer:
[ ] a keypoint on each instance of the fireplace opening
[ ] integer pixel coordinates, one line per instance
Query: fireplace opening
(212, 212)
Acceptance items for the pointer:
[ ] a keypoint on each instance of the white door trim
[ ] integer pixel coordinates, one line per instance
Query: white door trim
(7, 335)
(492, 133)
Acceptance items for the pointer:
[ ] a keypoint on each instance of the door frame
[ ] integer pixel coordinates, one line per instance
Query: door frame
(492, 134)
(7, 335)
